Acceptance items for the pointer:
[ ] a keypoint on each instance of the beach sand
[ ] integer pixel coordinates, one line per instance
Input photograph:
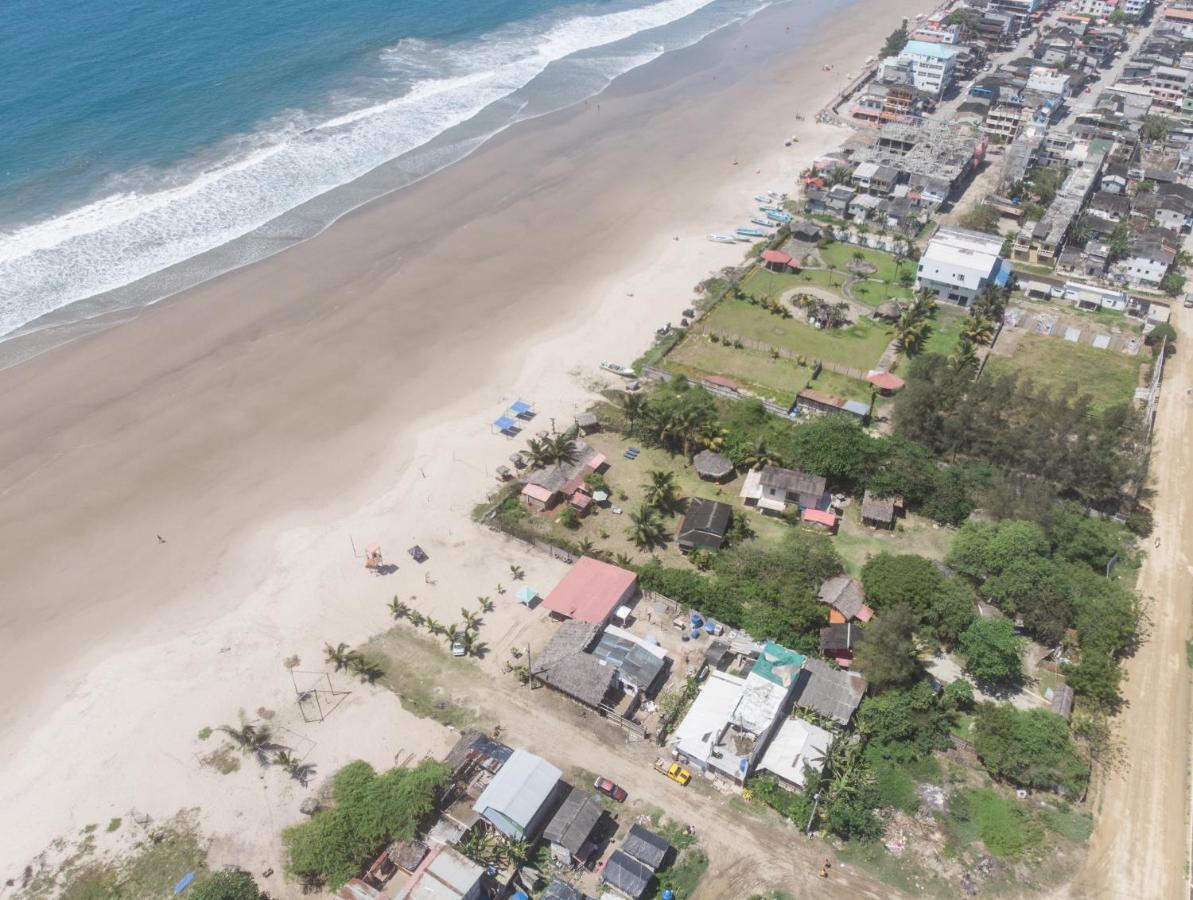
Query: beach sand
(339, 393)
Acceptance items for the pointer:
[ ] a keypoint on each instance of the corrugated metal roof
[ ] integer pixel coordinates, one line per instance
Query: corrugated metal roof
(519, 789)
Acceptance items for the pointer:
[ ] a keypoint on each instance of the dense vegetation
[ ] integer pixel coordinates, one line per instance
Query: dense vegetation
(370, 811)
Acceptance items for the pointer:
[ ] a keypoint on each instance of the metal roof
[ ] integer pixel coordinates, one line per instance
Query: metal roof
(518, 791)
(646, 846)
(829, 691)
(624, 873)
(574, 822)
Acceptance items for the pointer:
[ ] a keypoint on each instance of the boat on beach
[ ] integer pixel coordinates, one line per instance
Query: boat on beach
(779, 216)
(723, 238)
(618, 369)
(762, 198)
(751, 232)
(765, 223)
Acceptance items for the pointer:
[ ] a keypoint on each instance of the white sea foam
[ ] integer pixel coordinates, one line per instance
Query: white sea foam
(133, 233)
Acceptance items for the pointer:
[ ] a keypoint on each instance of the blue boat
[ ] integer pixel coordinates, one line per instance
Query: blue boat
(751, 232)
(779, 216)
(770, 209)
(765, 223)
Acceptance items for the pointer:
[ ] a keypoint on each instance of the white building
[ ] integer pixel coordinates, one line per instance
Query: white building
(1089, 296)
(796, 747)
(1049, 82)
(1098, 8)
(1146, 265)
(931, 65)
(1136, 8)
(959, 263)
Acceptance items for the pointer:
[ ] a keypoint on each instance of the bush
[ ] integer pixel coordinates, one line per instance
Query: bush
(226, 886)
(1029, 748)
(370, 811)
(894, 787)
(1140, 521)
(792, 806)
(958, 695)
(904, 725)
(992, 651)
(998, 821)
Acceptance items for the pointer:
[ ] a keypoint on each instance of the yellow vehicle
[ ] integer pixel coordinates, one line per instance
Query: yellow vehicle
(674, 771)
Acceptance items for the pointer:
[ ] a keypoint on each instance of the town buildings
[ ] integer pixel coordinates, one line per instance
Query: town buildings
(958, 264)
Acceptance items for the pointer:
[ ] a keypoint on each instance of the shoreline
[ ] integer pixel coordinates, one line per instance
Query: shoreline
(278, 577)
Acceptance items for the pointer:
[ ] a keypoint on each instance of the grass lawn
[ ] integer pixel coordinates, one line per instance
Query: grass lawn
(875, 293)
(841, 255)
(775, 379)
(1105, 375)
(858, 346)
(912, 534)
(946, 328)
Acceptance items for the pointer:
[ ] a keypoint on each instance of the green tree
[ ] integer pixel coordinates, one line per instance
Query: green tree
(958, 694)
(1119, 242)
(340, 656)
(982, 217)
(646, 529)
(895, 42)
(905, 580)
(661, 492)
(1156, 128)
(993, 651)
(633, 408)
(983, 549)
(1095, 678)
(837, 448)
(886, 652)
(226, 885)
(1173, 283)
(1030, 749)
(904, 724)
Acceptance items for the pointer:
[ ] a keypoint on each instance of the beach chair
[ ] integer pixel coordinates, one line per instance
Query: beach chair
(631, 453)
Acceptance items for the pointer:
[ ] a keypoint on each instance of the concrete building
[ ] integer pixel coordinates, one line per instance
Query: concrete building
(958, 264)
(1169, 86)
(930, 65)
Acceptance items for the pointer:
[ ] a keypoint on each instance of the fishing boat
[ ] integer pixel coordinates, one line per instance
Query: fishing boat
(723, 238)
(769, 209)
(777, 195)
(618, 369)
(751, 233)
(779, 217)
(765, 223)
(762, 198)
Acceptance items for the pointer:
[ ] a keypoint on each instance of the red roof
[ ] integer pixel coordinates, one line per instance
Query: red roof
(776, 256)
(820, 517)
(722, 381)
(885, 381)
(591, 590)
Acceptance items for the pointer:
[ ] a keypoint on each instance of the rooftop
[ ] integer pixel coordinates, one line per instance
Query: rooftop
(565, 665)
(645, 846)
(796, 745)
(929, 49)
(712, 465)
(829, 691)
(625, 874)
(591, 590)
(704, 524)
(517, 792)
(792, 481)
(844, 594)
(574, 821)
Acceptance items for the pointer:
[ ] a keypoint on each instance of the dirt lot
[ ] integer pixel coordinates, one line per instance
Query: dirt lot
(1141, 843)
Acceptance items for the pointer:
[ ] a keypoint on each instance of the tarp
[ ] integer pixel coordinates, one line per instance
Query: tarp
(505, 423)
(520, 407)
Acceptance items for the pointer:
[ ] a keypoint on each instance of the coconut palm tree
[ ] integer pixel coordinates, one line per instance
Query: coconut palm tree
(485, 604)
(924, 304)
(513, 852)
(832, 270)
(965, 357)
(661, 492)
(978, 330)
(540, 453)
(759, 456)
(417, 619)
(398, 609)
(472, 621)
(517, 572)
(634, 408)
(367, 670)
(900, 255)
(253, 740)
(911, 331)
(340, 655)
(295, 768)
(624, 560)
(562, 449)
(436, 628)
(646, 528)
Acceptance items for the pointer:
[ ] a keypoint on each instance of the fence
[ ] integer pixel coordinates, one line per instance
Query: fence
(782, 352)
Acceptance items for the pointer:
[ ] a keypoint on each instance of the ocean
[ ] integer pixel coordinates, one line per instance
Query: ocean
(147, 146)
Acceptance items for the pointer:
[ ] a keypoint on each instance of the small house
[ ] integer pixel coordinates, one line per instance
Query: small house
(566, 666)
(444, 874)
(879, 512)
(778, 261)
(545, 487)
(648, 848)
(806, 232)
(559, 889)
(626, 876)
(587, 422)
(773, 488)
(712, 466)
(838, 640)
(591, 591)
(797, 747)
(819, 519)
(520, 796)
(847, 598)
(828, 691)
(573, 831)
(1062, 700)
(704, 525)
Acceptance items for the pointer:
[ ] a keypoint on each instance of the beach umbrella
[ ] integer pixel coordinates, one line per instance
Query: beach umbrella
(600, 496)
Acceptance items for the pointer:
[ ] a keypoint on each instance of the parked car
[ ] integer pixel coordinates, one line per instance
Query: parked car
(609, 789)
(674, 771)
(458, 648)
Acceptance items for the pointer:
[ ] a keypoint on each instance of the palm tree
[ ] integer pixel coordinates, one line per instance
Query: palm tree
(340, 656)
(562, 449)
(486, 605)
(539, 452)
(398, 609)
(924, 304)
(910, 332)
(633, 407)
(436, 628)
(759, 456)
(661, 491)
(417, 619)
(252, 740)
(646, 528)
(965, 357)
(514, 851)
(471, 619)
(832, 268)
(900, 255)
(295, 768)
(516, 572)
(624, 560)
(585, 547)
(978, 330)
(366, 668)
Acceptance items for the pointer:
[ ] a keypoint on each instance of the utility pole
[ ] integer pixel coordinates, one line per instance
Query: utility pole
(812, 818)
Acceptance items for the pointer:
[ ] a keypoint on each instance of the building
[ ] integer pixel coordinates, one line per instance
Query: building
(545, 487)
(812, 400)
(847, 598)
(837, 641)
(648, 848)
(1146, 265)
(819, 519)
(797, 747)
(559, 889)
(604, 670)
(1169, 86)
(828, 691)
(521, 796)
(879, 512)
(573, 830)
(626, 876)
(1090, 296)
(959, 264)
(704, 525)
(592, 591)
(713, 466)
(930, 65)
(444, 874)
(732, 719)
(773, 488)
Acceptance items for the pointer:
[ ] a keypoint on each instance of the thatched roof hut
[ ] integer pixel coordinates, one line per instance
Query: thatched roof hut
(712, 466)
(889, 310)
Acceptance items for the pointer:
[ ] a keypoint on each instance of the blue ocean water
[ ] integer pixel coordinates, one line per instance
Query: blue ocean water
(139, 134)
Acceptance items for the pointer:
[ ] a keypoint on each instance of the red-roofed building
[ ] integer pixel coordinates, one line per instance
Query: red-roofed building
(778, 261)
(722, 382)
(886, 382)
(591, 591)
(819, 517)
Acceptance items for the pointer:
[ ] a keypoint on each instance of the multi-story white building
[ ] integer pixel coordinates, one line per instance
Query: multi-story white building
(959, 263)
(1020, 11)
(930, 65)
(1136, 8)
(1098, 8)
(1168, 85)
(1146, 265)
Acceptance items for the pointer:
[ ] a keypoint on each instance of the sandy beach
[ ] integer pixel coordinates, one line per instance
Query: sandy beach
(338, 393)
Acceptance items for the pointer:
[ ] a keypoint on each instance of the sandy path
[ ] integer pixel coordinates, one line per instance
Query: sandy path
(1140, 845)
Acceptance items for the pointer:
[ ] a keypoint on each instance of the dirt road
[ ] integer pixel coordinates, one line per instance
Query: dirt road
(1141, 841)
